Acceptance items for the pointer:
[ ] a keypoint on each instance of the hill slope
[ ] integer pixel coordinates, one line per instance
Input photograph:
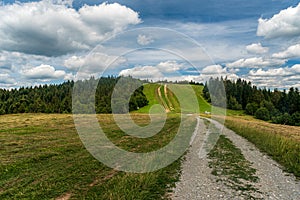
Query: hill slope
(167, 96)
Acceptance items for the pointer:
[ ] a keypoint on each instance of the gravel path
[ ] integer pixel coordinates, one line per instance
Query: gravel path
(197, 182)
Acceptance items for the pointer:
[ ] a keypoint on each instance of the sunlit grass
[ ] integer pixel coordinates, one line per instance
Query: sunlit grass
(281, 142)
(42, 157)
(150, 90)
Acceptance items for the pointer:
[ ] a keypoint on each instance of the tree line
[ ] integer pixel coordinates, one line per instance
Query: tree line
(58, 98)
(281, 107)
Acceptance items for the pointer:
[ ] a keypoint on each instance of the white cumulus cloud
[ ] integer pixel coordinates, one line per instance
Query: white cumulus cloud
(2, 58)
(257, 48)
(270, 72)
(256, 62)
(170, 66)
(45, 28)
(296, 68)
(284, 24)
(44, 72)
(283, 77)
(143, 72)
(292, 52)
(94, 62)
(160, 70)
(214, 69)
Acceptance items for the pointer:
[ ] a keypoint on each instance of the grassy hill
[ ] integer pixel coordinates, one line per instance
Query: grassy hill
(167, 96)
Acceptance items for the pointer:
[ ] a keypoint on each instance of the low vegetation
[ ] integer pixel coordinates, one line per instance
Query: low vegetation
(281, 142)
(231, 168)
(150, 91)
(42, 157)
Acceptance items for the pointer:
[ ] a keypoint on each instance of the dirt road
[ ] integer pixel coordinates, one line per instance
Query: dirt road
(201, 178)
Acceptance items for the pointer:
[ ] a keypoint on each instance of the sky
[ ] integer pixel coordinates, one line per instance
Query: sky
(51, 41)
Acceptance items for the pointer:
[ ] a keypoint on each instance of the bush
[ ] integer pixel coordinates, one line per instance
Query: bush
(285, 119)
(296, 118)
(262, 113)
(251, 108)
(268, 105)
(2, 111)
(234, 104)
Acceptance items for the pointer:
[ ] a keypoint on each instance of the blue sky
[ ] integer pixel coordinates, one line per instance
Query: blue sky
(52, 41)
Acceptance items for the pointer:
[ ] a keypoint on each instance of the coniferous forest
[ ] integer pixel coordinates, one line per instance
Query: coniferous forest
(58, 98)
(281, 107)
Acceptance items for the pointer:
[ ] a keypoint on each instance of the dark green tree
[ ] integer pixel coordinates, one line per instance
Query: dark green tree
(262, 113)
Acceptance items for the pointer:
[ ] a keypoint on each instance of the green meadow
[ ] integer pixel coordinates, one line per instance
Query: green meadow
(42, 156)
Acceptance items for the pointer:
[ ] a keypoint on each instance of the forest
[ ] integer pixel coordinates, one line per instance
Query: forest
(281, 107)
(58, 98)
(97, 95)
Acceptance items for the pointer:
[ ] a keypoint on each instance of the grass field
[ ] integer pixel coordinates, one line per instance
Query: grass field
(281, 142)
(171, 100)
(203, 105)
(42, 157)
(150, 90)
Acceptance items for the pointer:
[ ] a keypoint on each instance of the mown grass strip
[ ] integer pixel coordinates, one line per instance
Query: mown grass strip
(230, 166)
(203, 105)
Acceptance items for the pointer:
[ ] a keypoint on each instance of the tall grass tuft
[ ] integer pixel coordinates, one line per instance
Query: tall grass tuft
(284, 150)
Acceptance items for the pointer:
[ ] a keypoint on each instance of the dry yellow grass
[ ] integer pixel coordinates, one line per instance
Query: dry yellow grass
(22, 134)
(281, 142)
(292, 132)
(23, 120)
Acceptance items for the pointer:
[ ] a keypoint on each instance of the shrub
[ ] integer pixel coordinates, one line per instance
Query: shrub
(268, 105)
(262, 113)
(234, 104)
(285, 119)
(251, 108)
(2, 111)
(296, 118)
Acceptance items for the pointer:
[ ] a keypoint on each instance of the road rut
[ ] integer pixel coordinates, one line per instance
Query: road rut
(197, 181)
